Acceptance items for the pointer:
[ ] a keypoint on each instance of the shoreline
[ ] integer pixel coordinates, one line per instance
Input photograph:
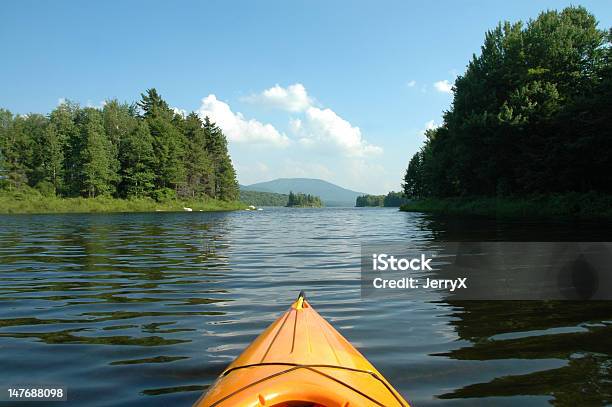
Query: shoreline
(586, 206)
(16, 204)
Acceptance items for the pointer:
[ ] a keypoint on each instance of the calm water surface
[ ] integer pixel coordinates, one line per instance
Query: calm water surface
(147, 309)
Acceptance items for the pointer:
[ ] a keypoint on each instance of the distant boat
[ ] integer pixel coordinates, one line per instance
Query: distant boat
(187, 209)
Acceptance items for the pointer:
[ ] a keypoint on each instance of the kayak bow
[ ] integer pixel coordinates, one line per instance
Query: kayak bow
(299, 361)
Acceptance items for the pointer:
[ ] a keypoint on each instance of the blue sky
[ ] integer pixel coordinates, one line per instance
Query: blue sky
(336, 90)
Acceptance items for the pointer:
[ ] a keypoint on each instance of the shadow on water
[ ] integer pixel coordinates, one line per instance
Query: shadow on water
(576, 333)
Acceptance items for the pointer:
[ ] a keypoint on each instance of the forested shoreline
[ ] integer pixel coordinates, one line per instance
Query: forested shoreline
(141, 151)
(260, 198)
(530, 119)
(390, 200)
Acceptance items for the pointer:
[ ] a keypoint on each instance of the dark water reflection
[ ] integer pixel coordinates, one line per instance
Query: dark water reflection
(147, 309)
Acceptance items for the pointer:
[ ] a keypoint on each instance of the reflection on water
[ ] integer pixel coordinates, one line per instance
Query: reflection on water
(580, 334)
(147, 309)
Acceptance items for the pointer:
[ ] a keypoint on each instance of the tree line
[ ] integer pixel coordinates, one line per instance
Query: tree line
(392, 199)
(531, 115)
(303, 200)
(259, 198)
(121, 150)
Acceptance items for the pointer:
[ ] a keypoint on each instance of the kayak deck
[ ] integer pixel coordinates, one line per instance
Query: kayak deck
(301, 360)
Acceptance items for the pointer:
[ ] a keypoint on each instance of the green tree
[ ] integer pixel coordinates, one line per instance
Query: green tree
(18, 144)
(413, 179)
(394, 199)
(137, 162)
(225, 183)
(152, 104)
(127, 150)
(198, 163)
(119, 123)
(33, 127)
(51, 164)
(369, 200)
(303, 200)
(6, 124)
(98, 165)
(525, 114)
(169, 142)
(66, 120)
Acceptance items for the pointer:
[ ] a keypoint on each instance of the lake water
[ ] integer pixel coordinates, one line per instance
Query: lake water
(147, 309)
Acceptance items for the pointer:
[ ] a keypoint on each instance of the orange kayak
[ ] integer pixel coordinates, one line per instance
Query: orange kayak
(300, 361)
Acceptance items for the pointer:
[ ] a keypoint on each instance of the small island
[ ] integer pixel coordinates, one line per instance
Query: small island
(300, 200)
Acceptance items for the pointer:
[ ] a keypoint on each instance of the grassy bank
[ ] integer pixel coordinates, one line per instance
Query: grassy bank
(570, 205)
(13, 203)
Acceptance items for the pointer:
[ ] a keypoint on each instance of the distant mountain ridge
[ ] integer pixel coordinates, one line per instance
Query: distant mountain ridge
(330, 194)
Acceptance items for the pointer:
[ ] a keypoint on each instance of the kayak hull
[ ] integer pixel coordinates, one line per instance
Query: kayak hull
(301, 360)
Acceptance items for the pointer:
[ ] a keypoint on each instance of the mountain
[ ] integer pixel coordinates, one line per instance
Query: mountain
(330, 194)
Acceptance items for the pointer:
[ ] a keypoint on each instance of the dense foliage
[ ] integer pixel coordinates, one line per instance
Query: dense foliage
(531, 115)
(369, 200)
(392, 199)
(259, 198)
(303, 200)
(123, 151)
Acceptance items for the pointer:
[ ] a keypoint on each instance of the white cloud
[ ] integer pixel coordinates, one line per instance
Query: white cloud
(293, 98)
(318, 127)
(100, 105)
(444, 86)
(295, 125)
(179, 111)
(237, 128)
(324, 128)
(430, 125)
(411, 83)
(324, 144)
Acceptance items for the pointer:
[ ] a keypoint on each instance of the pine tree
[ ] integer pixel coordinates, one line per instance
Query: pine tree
(525, 114)
(33, 127)
(17, 147)
(98, 166)
(291, 201)
(6, 124)
(115, 150)
(169, 142)
(119, 122)
(137, 162)
(198, 163)
(152, 104)
(226, 185)
(67, 118)
(52, 157)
